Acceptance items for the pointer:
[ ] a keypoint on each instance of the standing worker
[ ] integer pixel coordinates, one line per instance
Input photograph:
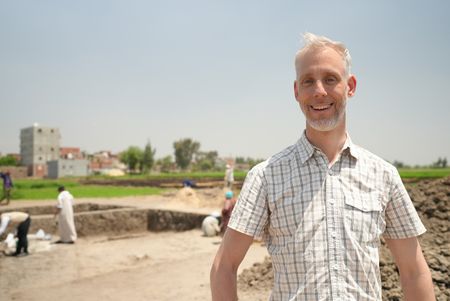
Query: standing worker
(324, 203)
(226, 211)
(22, 221)
(64, 211)
(229, 176)
(7, 186)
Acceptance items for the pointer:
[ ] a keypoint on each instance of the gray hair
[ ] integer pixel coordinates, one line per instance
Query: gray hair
(313, 41)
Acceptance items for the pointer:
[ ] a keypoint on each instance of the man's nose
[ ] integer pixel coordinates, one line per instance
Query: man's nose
(319, 89)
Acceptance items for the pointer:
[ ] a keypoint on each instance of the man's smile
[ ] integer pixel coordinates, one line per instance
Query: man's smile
(321, 107)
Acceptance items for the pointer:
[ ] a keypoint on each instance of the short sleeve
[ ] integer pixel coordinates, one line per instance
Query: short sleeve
(250, 214)
(402, 220)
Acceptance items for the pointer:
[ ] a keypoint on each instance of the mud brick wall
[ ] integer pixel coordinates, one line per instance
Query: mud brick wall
(93, 219)
(161, 220)
(113, 222)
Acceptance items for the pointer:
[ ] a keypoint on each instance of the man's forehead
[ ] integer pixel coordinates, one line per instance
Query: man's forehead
(323, 57)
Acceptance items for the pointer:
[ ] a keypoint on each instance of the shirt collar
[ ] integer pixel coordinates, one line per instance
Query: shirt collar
(306, 149)
(352, 148)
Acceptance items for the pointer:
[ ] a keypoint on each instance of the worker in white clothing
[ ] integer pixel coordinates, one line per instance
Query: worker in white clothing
(22, 221)
(210, 225)
(64, 211)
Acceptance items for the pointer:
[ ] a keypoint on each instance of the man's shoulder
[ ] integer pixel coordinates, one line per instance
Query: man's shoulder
(279, 159)
(371, 159)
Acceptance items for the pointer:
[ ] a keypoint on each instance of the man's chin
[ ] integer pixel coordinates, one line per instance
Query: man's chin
(323, 125)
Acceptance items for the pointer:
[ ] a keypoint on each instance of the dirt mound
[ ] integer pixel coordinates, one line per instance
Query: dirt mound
(199, 198)
(432, 201)
(189, 196)
(258, 277)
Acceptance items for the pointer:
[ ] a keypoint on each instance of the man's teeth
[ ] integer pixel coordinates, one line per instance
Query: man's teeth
(322, 107)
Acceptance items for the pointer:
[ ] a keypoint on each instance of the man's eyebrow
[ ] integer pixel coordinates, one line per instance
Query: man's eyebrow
(302, 76)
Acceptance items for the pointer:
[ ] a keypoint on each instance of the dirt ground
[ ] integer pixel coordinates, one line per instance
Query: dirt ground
(137, 266)
(175, 265)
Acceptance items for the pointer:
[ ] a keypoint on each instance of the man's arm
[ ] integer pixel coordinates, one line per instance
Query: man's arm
(415, 275)
(224, 270)
(4, 223)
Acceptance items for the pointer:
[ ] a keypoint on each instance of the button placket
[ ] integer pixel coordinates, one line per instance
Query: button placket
(334, 219)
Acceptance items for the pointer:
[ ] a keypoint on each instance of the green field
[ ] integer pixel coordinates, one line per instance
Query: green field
(32, 189)
(47, 189)
(213, 175)
(424, 173)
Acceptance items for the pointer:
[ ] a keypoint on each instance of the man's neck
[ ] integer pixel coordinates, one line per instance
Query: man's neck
(329, 142)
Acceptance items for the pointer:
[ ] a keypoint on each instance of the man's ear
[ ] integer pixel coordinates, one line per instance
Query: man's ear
(351, 84)
(295, 89)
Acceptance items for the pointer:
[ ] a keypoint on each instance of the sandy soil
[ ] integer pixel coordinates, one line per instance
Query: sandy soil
(138, 266)
(150, 266)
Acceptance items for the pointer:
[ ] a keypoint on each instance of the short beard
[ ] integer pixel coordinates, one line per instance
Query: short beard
(326, 125)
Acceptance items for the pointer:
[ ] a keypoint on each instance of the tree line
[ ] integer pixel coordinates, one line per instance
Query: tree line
(439, 163)
(187, 155)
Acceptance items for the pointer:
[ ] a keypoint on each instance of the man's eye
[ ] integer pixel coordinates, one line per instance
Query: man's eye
(307, 82)
(330, 80)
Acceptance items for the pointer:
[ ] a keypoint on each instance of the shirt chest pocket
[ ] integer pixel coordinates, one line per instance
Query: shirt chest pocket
(363, 218)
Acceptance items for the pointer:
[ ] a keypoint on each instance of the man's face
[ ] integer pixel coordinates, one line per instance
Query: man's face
(322, 88)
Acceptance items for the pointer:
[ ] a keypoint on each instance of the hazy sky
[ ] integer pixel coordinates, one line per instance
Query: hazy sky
(111, 74)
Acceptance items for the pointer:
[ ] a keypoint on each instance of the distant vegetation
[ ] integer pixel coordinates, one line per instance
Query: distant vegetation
(188, 157)
(47, 189)
(424, 173)
(180, 176)
(8, 160)
(32, 189)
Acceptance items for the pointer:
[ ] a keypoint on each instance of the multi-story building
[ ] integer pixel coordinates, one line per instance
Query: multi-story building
(38, 145)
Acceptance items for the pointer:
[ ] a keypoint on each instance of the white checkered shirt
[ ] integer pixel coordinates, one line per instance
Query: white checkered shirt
(323, 225)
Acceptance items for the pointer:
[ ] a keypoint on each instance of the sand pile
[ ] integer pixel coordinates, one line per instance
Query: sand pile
(432, 201)
(200, 198)
(188, 196)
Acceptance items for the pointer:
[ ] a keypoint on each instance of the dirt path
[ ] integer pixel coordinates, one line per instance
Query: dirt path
(150, 266)
(138, 266)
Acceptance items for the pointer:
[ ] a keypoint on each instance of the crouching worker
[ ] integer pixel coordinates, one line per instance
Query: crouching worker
(22, 221)
(210, 225)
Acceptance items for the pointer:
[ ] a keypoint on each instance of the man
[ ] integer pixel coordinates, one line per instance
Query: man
(7, 186)
(64, 211)
(229, 176)
(22, 221)
(226, 211)
(323, 204)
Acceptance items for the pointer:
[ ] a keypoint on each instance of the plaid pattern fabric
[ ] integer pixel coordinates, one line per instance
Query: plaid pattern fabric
(322, 225)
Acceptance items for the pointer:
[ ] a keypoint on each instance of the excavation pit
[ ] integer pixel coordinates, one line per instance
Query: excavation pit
(102, 219)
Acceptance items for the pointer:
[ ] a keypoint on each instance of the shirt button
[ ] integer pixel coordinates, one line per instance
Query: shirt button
(333, 234)
(331, 201)
(336, 267)
(330, 172)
